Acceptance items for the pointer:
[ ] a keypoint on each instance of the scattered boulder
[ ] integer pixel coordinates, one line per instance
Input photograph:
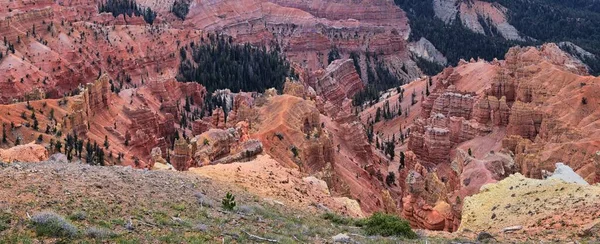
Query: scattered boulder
(321, 185)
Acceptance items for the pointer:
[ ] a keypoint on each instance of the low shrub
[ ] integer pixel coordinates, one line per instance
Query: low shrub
(53, 225)
(387, 225)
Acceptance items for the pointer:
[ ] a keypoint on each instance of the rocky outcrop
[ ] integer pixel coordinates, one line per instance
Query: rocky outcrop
(181, 159)
(339, 81)
(212, 145)
(524, 120)
(425, 205)
(431, 142)
(24, 153)
(453, 103)
(528, 115)
(247, 150)
(491, 110)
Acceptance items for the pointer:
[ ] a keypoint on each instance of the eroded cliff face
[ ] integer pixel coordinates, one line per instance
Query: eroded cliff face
(308, 30)
(338, 82)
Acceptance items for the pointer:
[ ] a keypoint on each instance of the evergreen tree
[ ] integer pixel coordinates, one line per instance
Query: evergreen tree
(35, 124)
(4, 140)
(180, 8)
(106, 144)
(58, 146)
(402, 158)
(334, 54)
(390, 180)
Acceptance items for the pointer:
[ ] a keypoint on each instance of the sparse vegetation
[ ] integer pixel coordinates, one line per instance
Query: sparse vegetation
(338, 219)
(5, 221)
(53, 225)
(4, 140)
(380, 79)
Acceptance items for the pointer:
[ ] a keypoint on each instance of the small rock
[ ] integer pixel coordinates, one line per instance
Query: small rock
(512, 228)
(341, 238)
(484, 236)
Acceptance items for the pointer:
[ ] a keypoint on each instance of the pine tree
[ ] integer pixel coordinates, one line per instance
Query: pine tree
(402, 158)
(106, 144)
(58, 146)
(35, 124)
(4, 140)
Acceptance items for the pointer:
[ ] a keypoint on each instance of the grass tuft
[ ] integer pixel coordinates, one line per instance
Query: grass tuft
(99, 233)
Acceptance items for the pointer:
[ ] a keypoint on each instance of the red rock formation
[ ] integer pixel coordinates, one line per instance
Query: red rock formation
(524, 120)
(337, 82)
(181, 159)
(491, 110)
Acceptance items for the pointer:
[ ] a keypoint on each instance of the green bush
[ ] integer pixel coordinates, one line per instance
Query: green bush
(387, 225)
(228, 203)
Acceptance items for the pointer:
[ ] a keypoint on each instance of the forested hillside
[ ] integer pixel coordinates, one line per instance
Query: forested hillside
(218, 63)
(455, 41)
(577, 21)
